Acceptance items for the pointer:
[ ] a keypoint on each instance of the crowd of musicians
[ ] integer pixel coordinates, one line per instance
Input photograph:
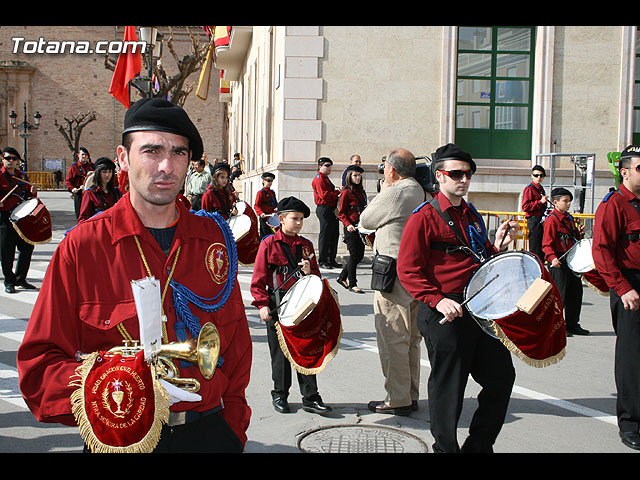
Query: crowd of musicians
(160, 209)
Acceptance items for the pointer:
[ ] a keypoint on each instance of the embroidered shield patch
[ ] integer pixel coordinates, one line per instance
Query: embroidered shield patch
(217, 262)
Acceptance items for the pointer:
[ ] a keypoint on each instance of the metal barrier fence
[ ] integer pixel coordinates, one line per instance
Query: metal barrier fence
(493, 220)
(44, 180)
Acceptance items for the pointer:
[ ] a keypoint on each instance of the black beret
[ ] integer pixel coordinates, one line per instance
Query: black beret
(11, 151)
(268, 176)
(158, 114)
(539, 168)
(631, 151)
(560, 192)
(323, 160)
(220, 166)
(293, 204)
(453, 152)
(105, 163)
(355, 168)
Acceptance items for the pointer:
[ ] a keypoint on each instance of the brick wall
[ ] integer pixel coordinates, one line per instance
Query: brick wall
(64, 85)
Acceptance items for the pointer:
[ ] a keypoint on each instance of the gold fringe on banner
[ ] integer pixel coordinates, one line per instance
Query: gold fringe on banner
(330, 356)
(150, 440)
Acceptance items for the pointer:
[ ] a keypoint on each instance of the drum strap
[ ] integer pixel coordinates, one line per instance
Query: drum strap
(286, 269)
(450, 248)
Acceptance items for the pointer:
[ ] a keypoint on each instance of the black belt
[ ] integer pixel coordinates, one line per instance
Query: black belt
(182, 418)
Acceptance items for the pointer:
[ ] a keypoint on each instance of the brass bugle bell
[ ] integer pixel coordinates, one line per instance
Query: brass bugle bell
(203, 351)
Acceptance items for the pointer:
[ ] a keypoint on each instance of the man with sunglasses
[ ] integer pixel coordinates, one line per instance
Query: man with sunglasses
(534, 204)
(10, 176)
(616, 254)
(436, 260)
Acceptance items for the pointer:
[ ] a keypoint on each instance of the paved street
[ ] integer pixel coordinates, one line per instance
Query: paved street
(568, 407)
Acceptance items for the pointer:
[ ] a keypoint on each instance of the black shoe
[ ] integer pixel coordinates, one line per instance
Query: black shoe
(281, 405)
(578, 330)
(343, 283)
(631, 439)
(10, 289)
(325, 265)
(334, 264)
(25, 285)
(317, 406)
(382, 407)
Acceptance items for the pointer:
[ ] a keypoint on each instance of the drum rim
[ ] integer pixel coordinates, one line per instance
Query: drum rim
(24, 202)
(491, 259)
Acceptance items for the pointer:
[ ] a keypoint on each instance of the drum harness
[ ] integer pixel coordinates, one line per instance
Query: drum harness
(290, 270)
(476, 249)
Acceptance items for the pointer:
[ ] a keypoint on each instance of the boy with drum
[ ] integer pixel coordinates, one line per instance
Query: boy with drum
(560, 234)
(280, 260)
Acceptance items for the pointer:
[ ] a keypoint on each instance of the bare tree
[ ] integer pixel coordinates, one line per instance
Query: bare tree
(175, 86)
(72, 129)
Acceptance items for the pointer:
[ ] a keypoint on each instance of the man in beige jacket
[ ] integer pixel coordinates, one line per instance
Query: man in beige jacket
(397, 332)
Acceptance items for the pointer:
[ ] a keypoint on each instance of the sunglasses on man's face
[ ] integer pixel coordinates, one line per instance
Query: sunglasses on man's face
(8, 159)
(537, 175)
(457, 174)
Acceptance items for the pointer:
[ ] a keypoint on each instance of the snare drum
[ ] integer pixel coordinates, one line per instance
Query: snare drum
(579, 257)
(32, 221)
(273, 222)
(537, 337)
(240, 226)
(245, 230)
(309, 326)
(300, 300)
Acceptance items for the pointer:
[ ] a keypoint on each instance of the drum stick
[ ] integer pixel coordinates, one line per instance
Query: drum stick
(7, 195)
(277, 308)
(506, 232)
(444, 320)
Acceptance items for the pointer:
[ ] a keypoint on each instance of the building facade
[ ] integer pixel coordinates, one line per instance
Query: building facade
(561, 96)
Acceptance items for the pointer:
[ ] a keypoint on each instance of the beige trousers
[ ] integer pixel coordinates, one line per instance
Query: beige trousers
(398, 340)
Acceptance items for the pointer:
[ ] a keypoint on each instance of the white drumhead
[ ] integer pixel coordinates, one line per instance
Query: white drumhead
(241, 207)
(240, 226)
(516, 272)
(364, 231)
(579, 258)
(307, 288)
(24, 209)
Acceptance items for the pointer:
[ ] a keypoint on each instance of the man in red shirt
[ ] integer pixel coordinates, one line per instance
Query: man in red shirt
(10, 177)
(435, 264)
(325, 196)
(76, 176)
(86, 303)
(616, 254)
(534, 204)
(278, 257)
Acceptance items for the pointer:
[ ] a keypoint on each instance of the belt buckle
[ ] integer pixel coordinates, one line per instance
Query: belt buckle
(177, 418)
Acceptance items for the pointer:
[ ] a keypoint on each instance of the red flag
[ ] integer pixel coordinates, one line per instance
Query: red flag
(128, 66)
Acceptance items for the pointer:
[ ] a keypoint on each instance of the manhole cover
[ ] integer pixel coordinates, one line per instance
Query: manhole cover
(360, 439)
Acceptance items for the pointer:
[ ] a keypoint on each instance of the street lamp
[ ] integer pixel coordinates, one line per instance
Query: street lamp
(26, 128)
(149, 35)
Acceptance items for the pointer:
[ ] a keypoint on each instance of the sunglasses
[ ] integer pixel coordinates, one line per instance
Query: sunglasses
(637, 168)
(8, 158)
(457, 174)
(537, 175)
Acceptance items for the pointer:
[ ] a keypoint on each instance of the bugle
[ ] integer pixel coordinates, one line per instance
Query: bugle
(203, 351)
